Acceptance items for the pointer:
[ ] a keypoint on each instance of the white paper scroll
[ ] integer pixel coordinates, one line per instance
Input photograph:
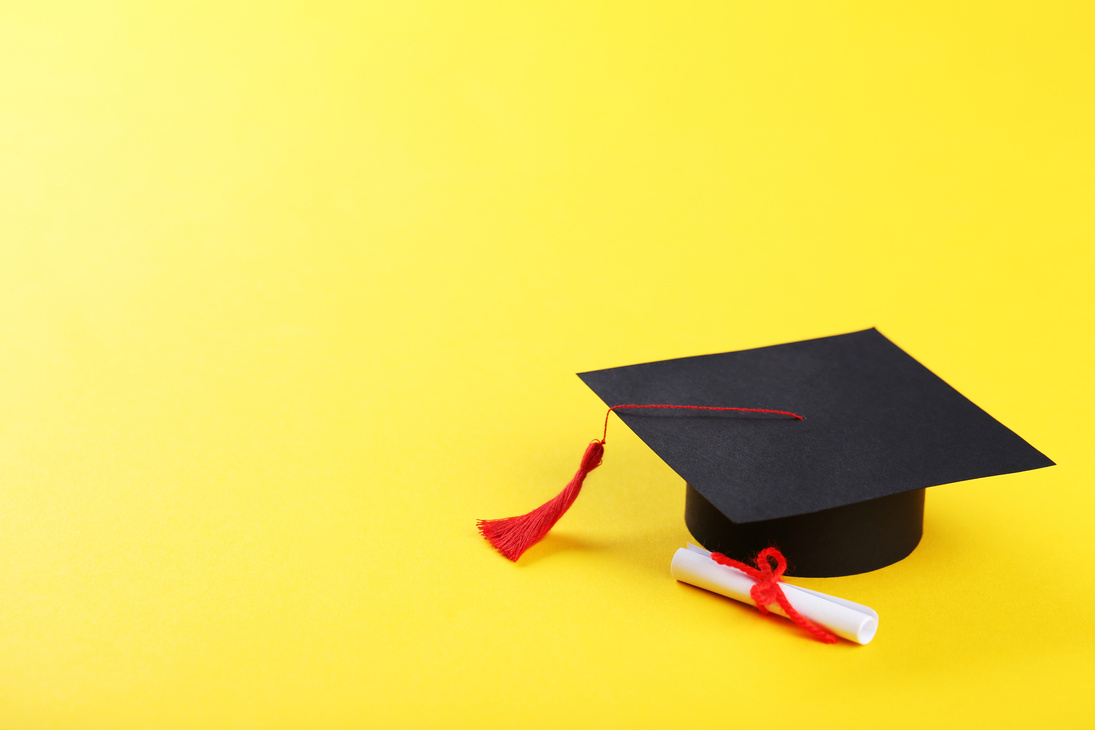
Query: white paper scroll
(845, 619)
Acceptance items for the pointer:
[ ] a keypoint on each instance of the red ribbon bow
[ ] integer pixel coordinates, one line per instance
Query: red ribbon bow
(766, 589)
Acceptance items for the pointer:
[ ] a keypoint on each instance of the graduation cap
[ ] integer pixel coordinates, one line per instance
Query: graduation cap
(822, 448)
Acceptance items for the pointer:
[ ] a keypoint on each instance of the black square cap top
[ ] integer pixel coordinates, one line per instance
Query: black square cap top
(877, 423)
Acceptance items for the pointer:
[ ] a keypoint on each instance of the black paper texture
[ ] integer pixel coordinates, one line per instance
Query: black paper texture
(877, 423)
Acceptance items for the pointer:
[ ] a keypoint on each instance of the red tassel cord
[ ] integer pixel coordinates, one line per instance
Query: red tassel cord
(512, 536)
(766, 589)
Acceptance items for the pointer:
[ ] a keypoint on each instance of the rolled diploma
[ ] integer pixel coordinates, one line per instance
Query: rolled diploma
(845, 619)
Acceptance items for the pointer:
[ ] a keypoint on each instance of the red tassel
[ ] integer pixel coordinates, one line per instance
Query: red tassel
(514, 535)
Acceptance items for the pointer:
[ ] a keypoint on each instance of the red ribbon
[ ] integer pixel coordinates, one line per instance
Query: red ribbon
(766, 589)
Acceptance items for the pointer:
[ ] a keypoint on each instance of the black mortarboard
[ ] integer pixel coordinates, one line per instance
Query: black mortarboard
(839, 492)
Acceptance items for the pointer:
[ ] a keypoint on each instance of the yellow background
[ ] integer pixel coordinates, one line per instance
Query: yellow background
(291, 294)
